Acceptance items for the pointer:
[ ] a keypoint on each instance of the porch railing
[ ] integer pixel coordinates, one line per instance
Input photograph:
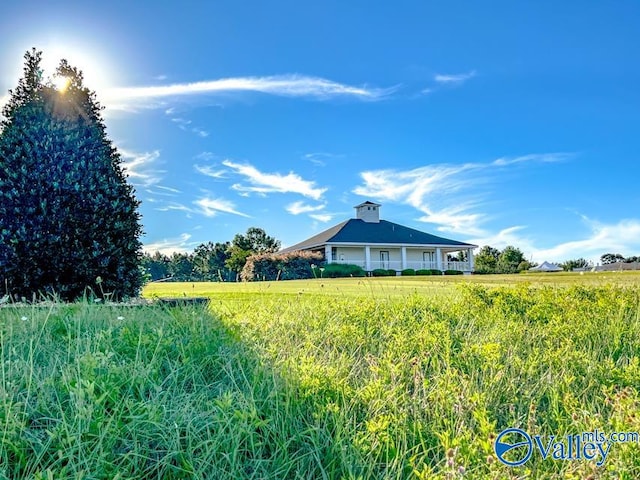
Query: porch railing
(397, 264)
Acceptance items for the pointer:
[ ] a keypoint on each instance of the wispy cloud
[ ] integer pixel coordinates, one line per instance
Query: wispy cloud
(448, 195)
(322, 217)
(621, 237)
(264, 183)
(281, 85)
(141, 167)
(453, 79)
(210, 207)
(174, 206)
(296, 208)
(320, 159)
(543, 158)
(168, 246)
(200, 132)
(206, 205)
(168, 189)
(210, 171)
(162, 191)
(182, 123)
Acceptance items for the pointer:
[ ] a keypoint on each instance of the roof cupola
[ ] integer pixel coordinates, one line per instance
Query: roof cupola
(368, 212)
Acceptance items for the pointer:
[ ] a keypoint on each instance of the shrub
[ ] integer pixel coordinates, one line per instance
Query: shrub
(392, 272)
(429, 271)
(380, 272)
(453, 272)
(337, 270)
(408, 272)
(280, 266)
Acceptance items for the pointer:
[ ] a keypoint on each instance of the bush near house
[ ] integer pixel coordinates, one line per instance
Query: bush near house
(429, 271)
(453, 272)
(408, 272)
(380, 272)
(280, 266)
(338, 270)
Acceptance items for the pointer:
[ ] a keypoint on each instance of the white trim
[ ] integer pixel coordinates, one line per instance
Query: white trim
(454, 248)
(367, 258)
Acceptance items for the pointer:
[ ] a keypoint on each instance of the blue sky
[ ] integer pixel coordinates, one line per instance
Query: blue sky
(495, 123)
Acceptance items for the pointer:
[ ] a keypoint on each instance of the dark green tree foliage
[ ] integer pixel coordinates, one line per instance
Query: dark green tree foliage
(156, 266)
(255, 241)
(509, 260)
(487, 260)
(609, 258)
(209, 261)
(569, 265)
(68, 217)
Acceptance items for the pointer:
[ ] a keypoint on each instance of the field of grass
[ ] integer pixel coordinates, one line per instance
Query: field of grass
(330, 379)
(382, 287)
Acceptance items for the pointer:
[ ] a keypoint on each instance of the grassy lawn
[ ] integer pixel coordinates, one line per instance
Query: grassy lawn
(385, 378)
(381, 287)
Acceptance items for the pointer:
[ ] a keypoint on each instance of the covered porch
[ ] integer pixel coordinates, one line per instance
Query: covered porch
(401, 257)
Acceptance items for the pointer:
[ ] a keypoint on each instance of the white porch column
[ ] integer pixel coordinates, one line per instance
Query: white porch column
(438, 258)
(403, 252)
(327, 253)
(470, 255)
(367, 258)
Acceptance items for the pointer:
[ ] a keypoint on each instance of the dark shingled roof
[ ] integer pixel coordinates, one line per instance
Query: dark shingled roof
(359, 231)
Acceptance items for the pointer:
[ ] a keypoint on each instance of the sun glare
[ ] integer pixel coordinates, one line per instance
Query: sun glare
(61, 83)
(96, 72)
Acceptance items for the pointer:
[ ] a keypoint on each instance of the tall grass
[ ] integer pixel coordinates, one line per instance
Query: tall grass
(301, 387)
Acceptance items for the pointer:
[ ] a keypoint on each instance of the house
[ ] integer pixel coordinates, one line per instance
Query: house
(372, 243)
(618, 267)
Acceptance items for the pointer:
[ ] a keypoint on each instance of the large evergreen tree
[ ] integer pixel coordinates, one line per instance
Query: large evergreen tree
(68, 217)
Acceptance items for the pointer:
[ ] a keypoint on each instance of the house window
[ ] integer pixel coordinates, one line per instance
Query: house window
(334, 253)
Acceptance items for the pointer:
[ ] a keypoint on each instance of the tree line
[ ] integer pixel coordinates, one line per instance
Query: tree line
(209, 262)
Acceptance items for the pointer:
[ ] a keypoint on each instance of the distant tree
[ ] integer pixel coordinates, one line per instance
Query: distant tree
(608, 258)
(460, 256)
(486, 260)
(181, 267)
(68, 217)
(526, 265)
(255, 241)
(569, 265)
(236, 259)
(632, 259)
(509, 260)
(209, 261)
(156, 266)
